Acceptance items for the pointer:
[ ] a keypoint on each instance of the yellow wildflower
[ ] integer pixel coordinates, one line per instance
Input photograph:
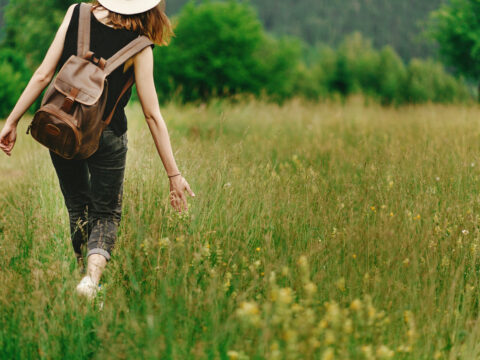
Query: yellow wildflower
(233, 355)
(310, 288)
(248, 308)
(285, 295)
(340, 284)
(328, 354)
(384, 352)
(356, 305)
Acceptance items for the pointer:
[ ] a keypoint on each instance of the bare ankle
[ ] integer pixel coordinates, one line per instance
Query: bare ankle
(95, 267)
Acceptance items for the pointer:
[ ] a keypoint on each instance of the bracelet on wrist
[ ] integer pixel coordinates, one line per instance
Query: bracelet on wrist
(172, 176)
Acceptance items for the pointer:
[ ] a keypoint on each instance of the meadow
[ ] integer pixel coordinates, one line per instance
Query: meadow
(319, 231)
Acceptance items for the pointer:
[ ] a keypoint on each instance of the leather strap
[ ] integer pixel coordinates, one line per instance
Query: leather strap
(131, 49)
(129, 84)
(70, 100)
(126, 53)
(83, 45)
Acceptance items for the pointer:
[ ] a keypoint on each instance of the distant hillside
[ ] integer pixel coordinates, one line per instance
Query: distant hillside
(394, 22)
(2, 5)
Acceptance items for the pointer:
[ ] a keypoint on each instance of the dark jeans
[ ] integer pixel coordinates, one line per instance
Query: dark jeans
(93, 190)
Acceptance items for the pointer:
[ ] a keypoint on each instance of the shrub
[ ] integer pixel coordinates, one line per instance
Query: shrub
(427, 81)
(356, 67)
(456, 29)
(390, 74)
(357, 62)
(279, 61)
(10, 88)
(14, 76)
(213, 53)
(31, 26)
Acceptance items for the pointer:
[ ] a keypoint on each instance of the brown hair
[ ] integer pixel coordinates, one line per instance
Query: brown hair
(153, 23)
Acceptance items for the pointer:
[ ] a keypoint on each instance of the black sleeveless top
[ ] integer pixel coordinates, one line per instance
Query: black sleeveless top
(104, 42)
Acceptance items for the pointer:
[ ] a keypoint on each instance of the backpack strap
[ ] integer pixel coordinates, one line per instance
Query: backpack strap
(127, 86)
(126, 53)
(118, 59)
(83, 45)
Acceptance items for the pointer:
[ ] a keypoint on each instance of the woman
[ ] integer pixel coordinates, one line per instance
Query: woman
(93, 187)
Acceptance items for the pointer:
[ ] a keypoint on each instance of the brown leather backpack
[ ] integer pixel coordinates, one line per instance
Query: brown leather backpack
(70, 119)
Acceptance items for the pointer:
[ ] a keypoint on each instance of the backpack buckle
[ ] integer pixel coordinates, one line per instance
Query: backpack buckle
(100, 62)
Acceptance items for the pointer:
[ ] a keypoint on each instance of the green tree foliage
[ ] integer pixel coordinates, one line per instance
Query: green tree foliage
(279, 61)
(391, 75)
(456, 27)
(355, 67)
(428, 81)
(14, 76)
(222, 50)
(213, 53)
(387, 22)
(31, 26)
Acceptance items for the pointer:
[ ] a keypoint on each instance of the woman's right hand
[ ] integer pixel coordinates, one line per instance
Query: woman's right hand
(8, 136)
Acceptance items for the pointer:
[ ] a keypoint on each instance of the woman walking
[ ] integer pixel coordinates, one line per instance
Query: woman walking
(93, 187)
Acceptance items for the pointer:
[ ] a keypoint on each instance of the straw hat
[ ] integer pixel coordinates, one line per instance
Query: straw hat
(129, 7)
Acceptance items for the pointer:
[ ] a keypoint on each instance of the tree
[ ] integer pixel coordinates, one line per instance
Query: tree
(397, 23)
(213, 53)
(456, 28)
(31, 26)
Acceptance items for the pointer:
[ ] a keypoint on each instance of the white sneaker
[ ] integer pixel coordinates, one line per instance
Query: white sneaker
(87, 288)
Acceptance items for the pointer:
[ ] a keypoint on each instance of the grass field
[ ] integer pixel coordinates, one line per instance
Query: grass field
(318, 232)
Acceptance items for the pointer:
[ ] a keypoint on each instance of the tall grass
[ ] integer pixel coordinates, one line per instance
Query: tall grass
(319, 231)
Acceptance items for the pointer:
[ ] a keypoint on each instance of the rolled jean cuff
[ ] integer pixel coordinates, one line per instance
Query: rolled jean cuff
(99, 251)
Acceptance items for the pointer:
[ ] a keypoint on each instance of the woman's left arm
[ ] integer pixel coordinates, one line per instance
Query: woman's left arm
(39, 81)
(179, 187)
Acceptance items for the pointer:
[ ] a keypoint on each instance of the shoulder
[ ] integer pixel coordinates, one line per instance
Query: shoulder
(144, 54)
(69, 15)
(73, 8)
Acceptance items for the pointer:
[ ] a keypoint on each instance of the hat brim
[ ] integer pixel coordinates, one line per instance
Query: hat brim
(129, 7)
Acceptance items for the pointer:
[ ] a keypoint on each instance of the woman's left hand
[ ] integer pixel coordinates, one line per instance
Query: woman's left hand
(8, 137)
(178, 187)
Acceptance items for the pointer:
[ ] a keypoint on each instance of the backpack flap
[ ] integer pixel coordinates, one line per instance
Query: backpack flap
(81, 81)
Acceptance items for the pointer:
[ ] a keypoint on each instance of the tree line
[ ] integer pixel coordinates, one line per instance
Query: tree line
(222, 49)
(398, 23)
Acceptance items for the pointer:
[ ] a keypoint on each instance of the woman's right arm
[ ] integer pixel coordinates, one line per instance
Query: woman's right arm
(39, 81)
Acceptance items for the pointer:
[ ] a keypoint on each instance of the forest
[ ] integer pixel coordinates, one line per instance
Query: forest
(315, 50)
(399, 23)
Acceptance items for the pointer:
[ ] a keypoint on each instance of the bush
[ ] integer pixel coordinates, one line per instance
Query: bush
(357, 64)
(308, 82)
(30, 26)
(279, 61)
(213, 53)
(427, 81)
(220, 49)
(356, 67)
(10, 88)
(14, 76)
(456, 29)
(390, 74)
